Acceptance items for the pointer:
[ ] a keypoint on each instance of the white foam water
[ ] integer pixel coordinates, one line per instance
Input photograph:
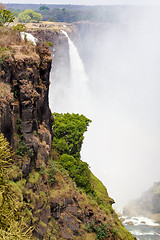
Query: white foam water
(135, 232)
(29, 37)
(141, 221)
(142, 228)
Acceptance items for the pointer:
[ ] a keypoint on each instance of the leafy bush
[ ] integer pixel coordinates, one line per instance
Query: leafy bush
(19, 27)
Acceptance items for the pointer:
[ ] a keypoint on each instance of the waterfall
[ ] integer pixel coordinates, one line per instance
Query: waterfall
(76, 97)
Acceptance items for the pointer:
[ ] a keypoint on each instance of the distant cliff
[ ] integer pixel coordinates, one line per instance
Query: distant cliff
(147, 205)
(48, 198)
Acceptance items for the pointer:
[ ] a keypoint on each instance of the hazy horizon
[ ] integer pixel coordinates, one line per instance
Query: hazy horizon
(88, 2)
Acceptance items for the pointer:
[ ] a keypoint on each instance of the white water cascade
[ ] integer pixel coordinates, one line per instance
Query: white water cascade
(76, 97)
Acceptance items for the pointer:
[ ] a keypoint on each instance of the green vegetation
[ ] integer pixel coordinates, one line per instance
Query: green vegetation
(6, 17)
(19, 27)
(102, 230)
(51, 172)
(29, 16)
(78, 170)
(72, 13)
(68, 133)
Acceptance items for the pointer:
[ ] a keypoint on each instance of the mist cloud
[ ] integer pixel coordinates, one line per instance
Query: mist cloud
(123, 148)
(122, 143)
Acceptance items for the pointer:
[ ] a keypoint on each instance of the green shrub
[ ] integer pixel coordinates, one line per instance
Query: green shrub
(101, 230)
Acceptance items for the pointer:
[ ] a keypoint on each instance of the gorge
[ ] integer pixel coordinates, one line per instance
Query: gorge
(54, 209)
(110, 73)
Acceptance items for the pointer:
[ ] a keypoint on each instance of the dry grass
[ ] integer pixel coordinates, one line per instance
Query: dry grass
(53, 26)
(9, 37)
(90, 236)
(63, 186)
(5, 89)
(18, 48)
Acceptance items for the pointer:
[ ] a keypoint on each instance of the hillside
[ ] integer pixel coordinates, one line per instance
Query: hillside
(40, 197)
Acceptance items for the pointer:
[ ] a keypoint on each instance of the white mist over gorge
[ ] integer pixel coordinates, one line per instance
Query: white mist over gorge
(121, 97)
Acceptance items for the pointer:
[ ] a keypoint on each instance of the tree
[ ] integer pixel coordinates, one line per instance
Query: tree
(29, 16)
(6, 17)
(44, 8)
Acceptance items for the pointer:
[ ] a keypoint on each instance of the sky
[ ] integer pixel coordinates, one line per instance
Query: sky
(89, 2)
